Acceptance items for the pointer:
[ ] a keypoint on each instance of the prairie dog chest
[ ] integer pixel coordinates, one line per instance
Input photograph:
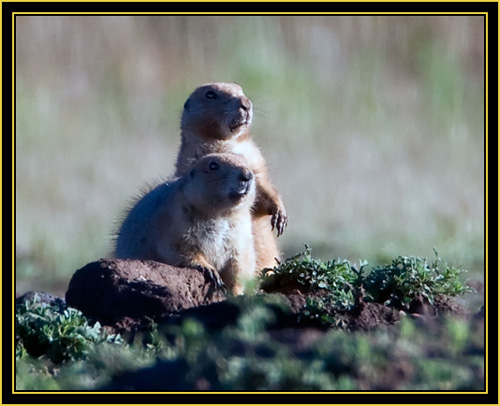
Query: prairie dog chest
(249, 150)
(214, 239)
(194, 148)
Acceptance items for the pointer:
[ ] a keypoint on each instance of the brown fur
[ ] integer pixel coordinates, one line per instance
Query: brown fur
(200, 220)
(216, 119)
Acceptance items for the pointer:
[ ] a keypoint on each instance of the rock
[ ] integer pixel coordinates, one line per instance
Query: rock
(125, 293)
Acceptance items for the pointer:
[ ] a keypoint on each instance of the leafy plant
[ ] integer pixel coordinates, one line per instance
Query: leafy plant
(333, 287)
(42, 329)
(408, 278)
(336, 279)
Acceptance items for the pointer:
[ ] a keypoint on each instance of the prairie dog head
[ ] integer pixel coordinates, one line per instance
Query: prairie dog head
(220, 183)
(217, 111)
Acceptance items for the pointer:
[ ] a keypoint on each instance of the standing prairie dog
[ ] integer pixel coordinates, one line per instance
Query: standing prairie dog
(200, 220)
(216, 119)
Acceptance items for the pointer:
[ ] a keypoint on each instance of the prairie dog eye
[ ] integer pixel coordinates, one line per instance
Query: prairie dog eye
(213, 166)
(210, 94)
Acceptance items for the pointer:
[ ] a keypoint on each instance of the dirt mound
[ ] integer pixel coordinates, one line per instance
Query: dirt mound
(129, 294)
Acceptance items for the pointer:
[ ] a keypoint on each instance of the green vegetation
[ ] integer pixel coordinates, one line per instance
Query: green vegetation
(339, 284)
(410, 278)
(337, 278)
(59, 335)
(61, 350)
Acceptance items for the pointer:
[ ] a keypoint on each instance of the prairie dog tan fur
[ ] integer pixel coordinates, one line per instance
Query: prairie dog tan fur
(216, 119)
(199, 220)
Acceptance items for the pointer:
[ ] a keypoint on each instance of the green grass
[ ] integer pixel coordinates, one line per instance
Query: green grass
(372, 127)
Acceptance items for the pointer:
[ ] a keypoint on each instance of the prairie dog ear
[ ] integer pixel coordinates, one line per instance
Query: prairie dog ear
(186, 104)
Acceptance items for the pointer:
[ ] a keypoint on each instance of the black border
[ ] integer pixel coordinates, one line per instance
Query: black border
(414, 8)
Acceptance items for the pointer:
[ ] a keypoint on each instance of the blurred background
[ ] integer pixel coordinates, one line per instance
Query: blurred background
(372, 127)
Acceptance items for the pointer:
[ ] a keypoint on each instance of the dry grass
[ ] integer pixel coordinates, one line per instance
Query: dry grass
(372, 127)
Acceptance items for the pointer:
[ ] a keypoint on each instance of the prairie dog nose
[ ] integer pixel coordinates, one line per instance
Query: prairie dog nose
(246, 176)
(246, 104)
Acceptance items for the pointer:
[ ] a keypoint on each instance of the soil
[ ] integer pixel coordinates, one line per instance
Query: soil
(128, 295)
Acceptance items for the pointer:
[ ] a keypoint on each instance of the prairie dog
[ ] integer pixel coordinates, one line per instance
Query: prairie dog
(200, 220)
(216, 119)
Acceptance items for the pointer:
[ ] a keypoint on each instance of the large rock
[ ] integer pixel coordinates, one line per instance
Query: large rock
(125, 293)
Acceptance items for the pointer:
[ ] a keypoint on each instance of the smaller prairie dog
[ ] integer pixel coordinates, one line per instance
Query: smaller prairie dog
(216, 119)
(201, 220)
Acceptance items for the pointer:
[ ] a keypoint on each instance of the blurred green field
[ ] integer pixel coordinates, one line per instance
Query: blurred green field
(372, 126)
